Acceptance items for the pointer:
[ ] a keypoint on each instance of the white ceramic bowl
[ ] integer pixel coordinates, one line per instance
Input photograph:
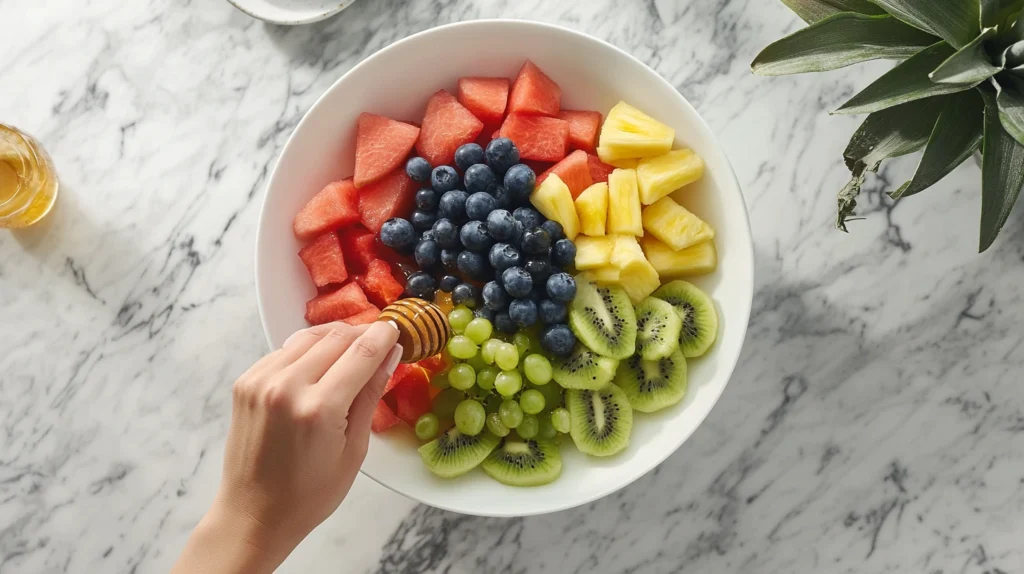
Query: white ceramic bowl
(593, 75)
(291, 12)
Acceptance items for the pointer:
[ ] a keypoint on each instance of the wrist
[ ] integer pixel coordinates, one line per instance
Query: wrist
(230, 540)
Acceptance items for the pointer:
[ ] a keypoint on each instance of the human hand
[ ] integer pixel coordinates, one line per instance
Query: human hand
(299, 432)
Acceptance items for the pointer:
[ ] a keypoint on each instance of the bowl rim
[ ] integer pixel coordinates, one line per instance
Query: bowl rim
(327, 13)
(680, 100)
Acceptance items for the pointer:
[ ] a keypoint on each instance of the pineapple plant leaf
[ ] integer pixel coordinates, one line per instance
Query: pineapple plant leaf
(959, 90)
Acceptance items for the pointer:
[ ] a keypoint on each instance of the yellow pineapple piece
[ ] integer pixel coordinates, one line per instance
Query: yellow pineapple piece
(624, 203)
(553, 200)
(674, 225)
(592, 252)
(630, 163)
(625, 251)
(661, 175)
(639, 279)
(629, 133)
(699, 259)
(606, 274)
(592, 208)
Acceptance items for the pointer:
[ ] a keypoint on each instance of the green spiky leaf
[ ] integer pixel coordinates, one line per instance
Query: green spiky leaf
(1002, 173)
(969, 65)
(811, 11)
(1013, 55)
(955, 21)
(957, 135)
(1011, 111)
(995, 12)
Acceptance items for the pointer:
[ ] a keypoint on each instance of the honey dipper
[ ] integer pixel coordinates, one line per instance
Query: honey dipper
(423, 330)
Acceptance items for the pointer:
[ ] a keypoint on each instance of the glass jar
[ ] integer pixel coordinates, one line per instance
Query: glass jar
(28, 182)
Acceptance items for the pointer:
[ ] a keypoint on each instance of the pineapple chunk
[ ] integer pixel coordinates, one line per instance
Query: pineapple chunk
(630, 163)
(592, 252)
(700, 259)
(553, 199)
(660, 176)
(606, 274)
(625, 252)
(624, 203)
(592, 208)
(674, 225)
(629, 133)
(639, 279)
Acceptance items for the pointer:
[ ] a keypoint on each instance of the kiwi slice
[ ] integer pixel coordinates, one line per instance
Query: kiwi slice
(524, 463)
(603, 319)
(697, 310)
(453, 453)
(657, 329)
(653, 385)
(584, 369)
(601, 420)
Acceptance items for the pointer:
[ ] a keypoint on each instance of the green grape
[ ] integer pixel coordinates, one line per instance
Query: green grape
(462, 377)
(508, 383)
(477, 362)
(469, 417)
(522, 342)
(532, 401)
(485, 378)
(552, 395)
(461, 347)
(547, 428)
(479, 330)
(495, 425)
(538, 369)
(426, 426)
(445, 402)
(511, 413)
(492, 403)
(488, 349)
(459, 318)
(526, 429)
(507, 356)
(560, 420)
(440, 380)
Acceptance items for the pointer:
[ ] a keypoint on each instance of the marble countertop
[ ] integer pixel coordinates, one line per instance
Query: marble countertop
(875, 422)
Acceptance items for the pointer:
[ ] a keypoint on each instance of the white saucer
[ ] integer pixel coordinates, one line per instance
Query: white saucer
(291, 12)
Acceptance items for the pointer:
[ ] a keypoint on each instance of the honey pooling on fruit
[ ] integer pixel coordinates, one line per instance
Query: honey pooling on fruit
(423, 330)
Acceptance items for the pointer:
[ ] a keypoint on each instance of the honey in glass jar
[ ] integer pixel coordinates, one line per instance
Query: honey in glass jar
(28, 182)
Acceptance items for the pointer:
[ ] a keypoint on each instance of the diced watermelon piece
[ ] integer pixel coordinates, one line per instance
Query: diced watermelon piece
(489, 132)
(359, 246)
(379, 284)
(324, 260)
(537, 137)
(446, 126)
(485, 97)
(435, 364)
(583, 127)
(335, 206)
(573, 170)
(390, 197)
(382, 145)
(400, 373)
(364, 317)
(383, 418)
(538, 167)
(412, 395)
(599, 170)
(534, 92)
(338, 305)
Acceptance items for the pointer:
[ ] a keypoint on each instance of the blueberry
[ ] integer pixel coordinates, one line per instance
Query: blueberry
(548, 311)
(561, 287)
(449, 258)
(520, 181)
(423, 220)
(502, 256)
(479, 178)
(444, 178)
(474, 236)
(398, 234)
(535, 241)
(427, 254)
(523, 312)
(517, 281)
(473, 265)
(528, 216)
(537, 294)
(464, 294)
(558, 340)
(468, 155)
(448, 283)
(501, 154)
(501, 225)
(480, 205)
(446, 233)
(539, 269)
(453, 206)
(420, 285)
(503, 198)
(418, 169)
(554, 229)
(426, 199)
(428, 234)
(563, 254)
(504, 323)
(494, 296)
(484, 313)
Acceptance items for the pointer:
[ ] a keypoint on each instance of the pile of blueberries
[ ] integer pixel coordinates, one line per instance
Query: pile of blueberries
(481, 229)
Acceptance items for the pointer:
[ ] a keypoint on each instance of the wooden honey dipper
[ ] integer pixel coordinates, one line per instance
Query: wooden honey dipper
(423, 330)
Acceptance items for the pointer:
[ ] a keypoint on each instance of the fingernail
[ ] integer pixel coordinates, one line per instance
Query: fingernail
(393, 359)
(292, 337)
(395, 325)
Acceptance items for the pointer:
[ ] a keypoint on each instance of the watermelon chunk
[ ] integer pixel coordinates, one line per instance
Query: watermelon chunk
(447, 124)
(383, 418)
(324, 260)
(390, 197)
(599, 170)
(583, 127)
(485, 97)
(382, 145)
(399, 374)
(337, 305)
(379, 284)
(336, 205)
(574, 170)
(359, 246)
(537, 137)
(412, 395)
(534, 92)
(364, 317)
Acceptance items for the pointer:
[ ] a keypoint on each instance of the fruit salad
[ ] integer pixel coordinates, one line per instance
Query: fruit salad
(552, 240)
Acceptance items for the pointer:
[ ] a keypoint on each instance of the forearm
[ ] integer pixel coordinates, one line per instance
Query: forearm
(225, 542)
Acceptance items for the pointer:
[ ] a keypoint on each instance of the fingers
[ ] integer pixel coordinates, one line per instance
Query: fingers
(350, 374)
(360, 415)
(315, 352)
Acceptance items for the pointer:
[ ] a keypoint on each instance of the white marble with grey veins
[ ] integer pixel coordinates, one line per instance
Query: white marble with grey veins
(875, 423)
